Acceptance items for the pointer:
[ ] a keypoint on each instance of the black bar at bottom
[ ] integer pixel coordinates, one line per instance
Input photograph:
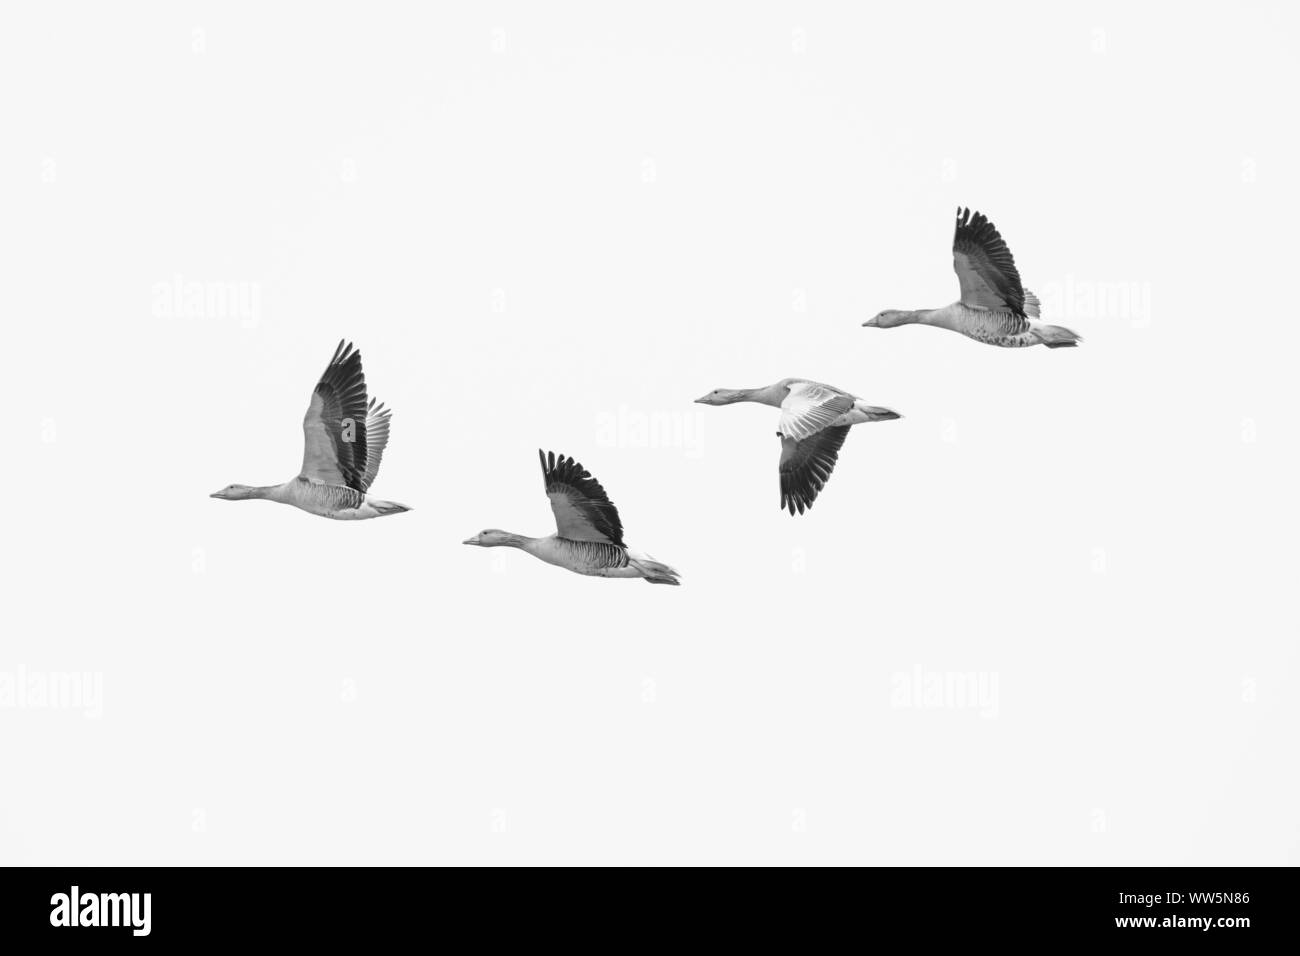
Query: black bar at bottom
(376, 906)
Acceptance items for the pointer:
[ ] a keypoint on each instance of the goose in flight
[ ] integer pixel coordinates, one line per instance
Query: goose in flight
(994, 308)
(588, 535)
(815, 420)
(345, 441)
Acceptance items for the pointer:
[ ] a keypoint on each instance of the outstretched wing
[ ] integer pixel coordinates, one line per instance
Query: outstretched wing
(377, 419)
(583, 512)
(809, 407)
(984, 266)
(806, 466)
(334, 428)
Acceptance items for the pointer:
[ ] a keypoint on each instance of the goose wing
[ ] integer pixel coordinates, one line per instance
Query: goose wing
(334, 428)
(377, 419)
(984, 266)
(809, 407)
(806, 466)
(583, 512)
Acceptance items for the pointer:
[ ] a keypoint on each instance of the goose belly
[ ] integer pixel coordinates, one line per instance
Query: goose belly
(328, 501)
(992, 328)
(598, 558)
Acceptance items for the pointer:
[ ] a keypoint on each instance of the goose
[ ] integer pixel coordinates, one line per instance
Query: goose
(588, 535)
(345, 440)
(815, 420)
(994, 308)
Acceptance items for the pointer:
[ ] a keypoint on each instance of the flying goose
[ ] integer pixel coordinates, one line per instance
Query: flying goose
(344, 440)
(994, 308)
(588, 535)
(815, 420)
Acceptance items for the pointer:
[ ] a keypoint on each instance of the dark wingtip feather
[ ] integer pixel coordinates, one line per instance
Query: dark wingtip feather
(975, 231)
(804, 473)
(343, 387)
(345, 355)
(565, 470)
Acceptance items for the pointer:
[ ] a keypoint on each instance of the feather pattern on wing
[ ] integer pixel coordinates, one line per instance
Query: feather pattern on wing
(806, 466)
(809, 407)
(334, 428)
(377, 419)
(583, 512)
(984, 266)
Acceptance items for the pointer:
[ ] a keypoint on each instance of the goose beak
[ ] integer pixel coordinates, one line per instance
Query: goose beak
(473, 540)
(705, 399)
(218, 494)
(871, 323)
(881, 414)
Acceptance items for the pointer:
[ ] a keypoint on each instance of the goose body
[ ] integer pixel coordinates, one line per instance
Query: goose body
(597, 558)
(328, 501)
(589, 533)
(815, 420)
(343, 443)
(994, 307)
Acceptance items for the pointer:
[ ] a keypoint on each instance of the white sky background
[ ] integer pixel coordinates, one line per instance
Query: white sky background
(535, 223)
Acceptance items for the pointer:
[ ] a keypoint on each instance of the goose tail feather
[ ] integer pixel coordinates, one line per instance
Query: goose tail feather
(1057, 336)
(654, 572)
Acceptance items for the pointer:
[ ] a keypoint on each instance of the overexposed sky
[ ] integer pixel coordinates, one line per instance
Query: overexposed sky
(1045, 618)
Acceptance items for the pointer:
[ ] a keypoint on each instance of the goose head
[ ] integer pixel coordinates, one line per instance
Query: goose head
(235, 492)
(888, 319)
(722, 396)
(491, 538)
